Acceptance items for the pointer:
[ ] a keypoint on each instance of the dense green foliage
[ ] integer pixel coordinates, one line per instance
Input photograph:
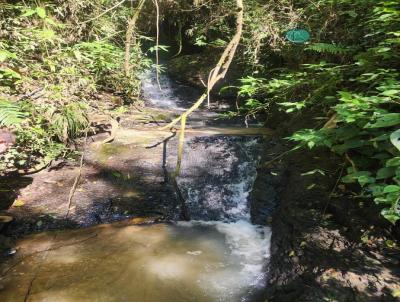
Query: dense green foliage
(56, 57)
(349, 74)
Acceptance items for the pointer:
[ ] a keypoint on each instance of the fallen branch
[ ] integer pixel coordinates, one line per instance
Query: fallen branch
(216, 74)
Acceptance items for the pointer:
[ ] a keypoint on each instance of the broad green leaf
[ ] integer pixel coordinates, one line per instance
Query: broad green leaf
(9, 73)
(385, 172)
(364, 180)
(390, 215)
(353, 177)
(385, 120)
(393, 162)
(390, 92)
(41, 12)
(391, 189)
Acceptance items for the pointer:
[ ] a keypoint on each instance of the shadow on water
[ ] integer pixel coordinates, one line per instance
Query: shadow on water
(135, 189)
(147, 263)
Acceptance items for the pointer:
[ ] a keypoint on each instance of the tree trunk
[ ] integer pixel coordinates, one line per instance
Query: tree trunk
(129, 35)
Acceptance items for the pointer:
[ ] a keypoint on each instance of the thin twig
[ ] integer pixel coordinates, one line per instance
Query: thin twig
(279, 156)
(73, 188)
(351, 162)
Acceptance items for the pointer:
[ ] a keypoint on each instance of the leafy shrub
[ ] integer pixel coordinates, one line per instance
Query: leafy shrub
(11, 113)
(52, 66)
(356, 85)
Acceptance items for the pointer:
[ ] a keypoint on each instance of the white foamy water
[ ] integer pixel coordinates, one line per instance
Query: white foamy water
(217, 177)
(246, 247)
(160, 98)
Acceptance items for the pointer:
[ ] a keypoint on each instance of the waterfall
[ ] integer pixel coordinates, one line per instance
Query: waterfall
(216, 178)
(217, 256)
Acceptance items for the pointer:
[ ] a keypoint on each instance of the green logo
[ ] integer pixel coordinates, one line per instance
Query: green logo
(298, 35)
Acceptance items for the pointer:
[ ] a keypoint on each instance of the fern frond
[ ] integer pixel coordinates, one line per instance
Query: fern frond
(70, 121)
(11, 114)
(327, 48)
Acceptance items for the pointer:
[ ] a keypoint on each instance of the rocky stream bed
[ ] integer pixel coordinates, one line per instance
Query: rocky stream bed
(127, 236)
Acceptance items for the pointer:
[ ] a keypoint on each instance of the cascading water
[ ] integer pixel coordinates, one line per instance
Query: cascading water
(216, 178)
(217, 175)
(170, 96)
(159, 98)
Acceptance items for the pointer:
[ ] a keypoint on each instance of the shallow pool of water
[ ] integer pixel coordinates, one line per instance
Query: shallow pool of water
(185, 261)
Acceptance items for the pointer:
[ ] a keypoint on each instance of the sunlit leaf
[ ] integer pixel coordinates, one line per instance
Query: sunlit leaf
(395, 139)
(41, 12)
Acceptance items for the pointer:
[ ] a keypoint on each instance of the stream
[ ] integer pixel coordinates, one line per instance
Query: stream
(218, 255)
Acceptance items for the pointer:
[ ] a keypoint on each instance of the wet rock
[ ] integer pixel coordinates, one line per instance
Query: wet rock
(264, 197)
(4, 220)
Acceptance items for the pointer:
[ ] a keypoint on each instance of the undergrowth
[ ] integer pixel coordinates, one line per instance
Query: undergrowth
(350, 74)
(53, 64)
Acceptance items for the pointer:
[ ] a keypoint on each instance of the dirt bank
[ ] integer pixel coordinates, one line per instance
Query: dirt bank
(327, 243)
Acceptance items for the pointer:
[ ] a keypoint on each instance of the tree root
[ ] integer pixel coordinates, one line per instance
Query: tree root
(114, 127)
